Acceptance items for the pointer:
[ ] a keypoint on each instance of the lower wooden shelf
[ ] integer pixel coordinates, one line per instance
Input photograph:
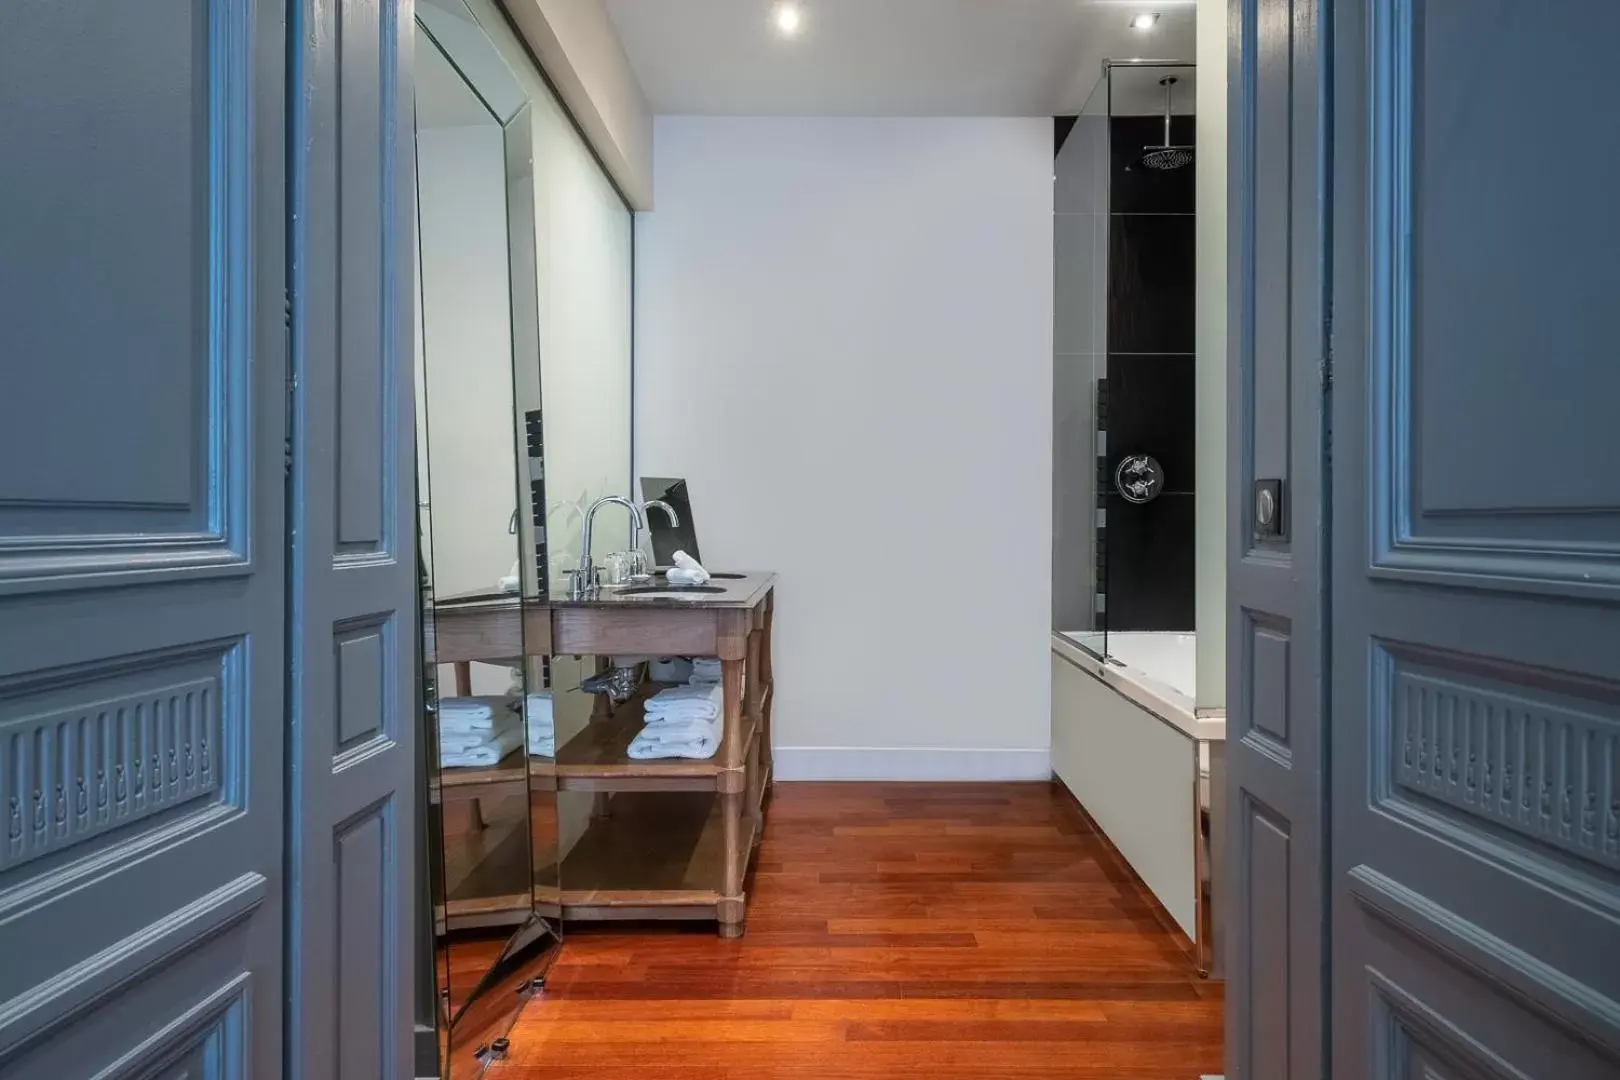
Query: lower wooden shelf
(506, 778)
(486, 874)
(653, 855)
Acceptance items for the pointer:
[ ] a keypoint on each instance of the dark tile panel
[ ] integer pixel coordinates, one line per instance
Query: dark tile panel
(1150, 283)
(1150, 564)
(1152, 404)
(1136, 189)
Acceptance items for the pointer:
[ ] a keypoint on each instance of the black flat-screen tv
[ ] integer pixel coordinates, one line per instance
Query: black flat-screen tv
(667, 539)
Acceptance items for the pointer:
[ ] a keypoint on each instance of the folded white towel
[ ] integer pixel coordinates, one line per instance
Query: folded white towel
(706, 671)
(697, 748)
(457, 742)
(670, 669)
(690, 570)
(545, 746)
(537, 709)
(678, 730)
(484, 756)
(699, 700)
(462, 714)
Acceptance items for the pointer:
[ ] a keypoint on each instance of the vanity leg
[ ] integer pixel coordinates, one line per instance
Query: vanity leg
(730, 912)
(733, 664)
(463, 678)
(767, 693)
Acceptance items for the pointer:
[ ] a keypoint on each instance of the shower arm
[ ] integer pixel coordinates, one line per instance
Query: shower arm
(1169, 83)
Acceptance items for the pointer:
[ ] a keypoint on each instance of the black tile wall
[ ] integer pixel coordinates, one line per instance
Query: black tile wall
(1151, 411)
(1150, 567)
(534, 431)
(1133, 187)
(1150, 283)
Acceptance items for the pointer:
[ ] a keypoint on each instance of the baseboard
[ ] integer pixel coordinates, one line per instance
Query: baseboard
(909, 763)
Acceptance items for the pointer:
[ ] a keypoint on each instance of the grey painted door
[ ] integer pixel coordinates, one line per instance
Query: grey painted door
(353, 734)
(141, 538)
(1275, 724)
(1476, 542)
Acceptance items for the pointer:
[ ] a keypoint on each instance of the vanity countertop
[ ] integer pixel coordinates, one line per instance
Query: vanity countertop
(743, 591)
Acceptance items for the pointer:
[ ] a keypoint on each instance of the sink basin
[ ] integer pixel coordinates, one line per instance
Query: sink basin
(669, 590)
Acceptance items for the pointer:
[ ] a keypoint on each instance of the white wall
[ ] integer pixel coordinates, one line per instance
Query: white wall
(844, 341)
(1210, 332)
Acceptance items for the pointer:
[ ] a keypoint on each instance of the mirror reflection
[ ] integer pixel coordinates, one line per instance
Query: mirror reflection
(486, 695)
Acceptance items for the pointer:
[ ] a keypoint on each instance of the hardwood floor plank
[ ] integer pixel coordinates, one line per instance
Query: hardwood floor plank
(894, 931)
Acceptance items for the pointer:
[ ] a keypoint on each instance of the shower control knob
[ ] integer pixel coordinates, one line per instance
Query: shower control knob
(1139, 478)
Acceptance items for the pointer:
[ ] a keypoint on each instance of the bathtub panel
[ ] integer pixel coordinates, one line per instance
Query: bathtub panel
(1135, 775)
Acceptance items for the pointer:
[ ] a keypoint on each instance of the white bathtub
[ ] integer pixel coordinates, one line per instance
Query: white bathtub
(1167, 658)
(1128, 744)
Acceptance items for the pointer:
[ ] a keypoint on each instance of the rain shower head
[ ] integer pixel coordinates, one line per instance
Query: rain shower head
(1165, 157)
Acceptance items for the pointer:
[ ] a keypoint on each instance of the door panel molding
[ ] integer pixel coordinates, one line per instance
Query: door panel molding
(1530, 540)
(1411, 1040)
(186, 515)
(1517, 757)
(47, 1006)
(90, 751)
(203, 1043)
(1563, 1001)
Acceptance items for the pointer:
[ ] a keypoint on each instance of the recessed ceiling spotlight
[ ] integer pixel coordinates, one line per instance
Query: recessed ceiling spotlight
(1144, 21)
(788, 18)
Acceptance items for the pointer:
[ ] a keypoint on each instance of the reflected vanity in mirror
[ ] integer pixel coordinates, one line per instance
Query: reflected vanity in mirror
(486, 700)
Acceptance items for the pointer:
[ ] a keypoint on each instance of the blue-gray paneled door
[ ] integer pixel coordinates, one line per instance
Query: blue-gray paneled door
(1476, 541)
(351, 826)
(142, 538)
(1275, 747)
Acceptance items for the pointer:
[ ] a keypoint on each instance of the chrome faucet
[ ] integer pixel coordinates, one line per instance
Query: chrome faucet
(669, 511)
(585, 576)
(635, 534)
(642, 562)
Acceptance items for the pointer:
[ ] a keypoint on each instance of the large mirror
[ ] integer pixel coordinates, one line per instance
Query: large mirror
(486, 695)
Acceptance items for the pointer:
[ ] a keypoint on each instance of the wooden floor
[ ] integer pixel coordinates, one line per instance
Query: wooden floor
(894, 931)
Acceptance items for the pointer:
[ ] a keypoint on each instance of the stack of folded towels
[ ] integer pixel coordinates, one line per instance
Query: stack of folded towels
(477, 731)
(683, 721)
(541, 725)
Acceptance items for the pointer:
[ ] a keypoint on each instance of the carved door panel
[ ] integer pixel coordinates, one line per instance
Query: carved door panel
(1475, 684)
(142, 538)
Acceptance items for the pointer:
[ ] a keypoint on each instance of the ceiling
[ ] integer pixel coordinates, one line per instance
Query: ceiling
(888, 57)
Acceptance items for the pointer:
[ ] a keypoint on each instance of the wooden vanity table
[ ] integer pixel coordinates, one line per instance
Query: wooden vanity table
(667, 839)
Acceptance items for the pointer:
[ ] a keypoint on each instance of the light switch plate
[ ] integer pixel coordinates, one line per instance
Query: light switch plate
(1270, 519)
